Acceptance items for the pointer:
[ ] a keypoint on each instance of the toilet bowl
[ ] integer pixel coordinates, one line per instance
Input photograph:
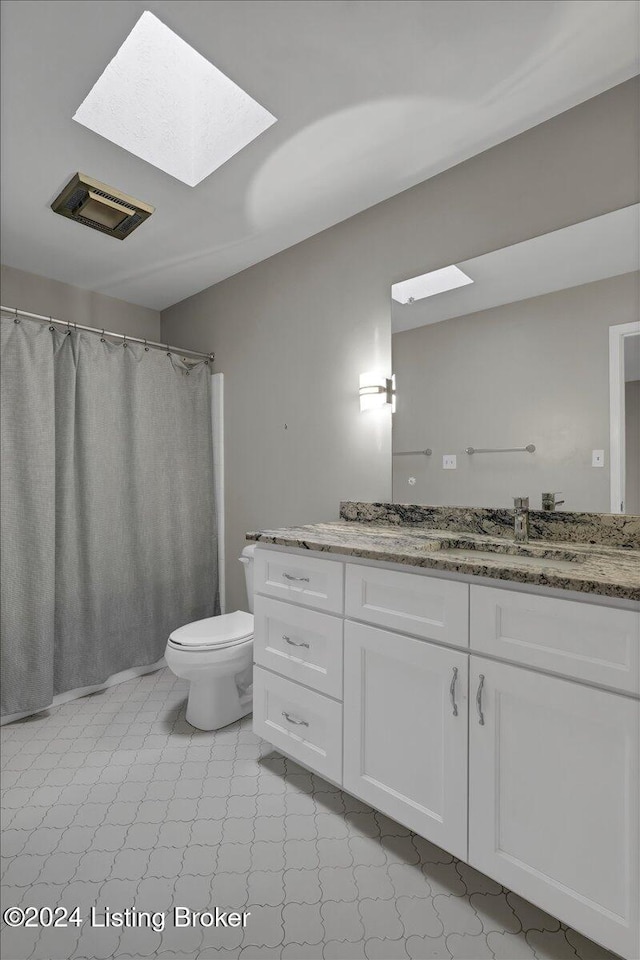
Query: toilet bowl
(216, 656)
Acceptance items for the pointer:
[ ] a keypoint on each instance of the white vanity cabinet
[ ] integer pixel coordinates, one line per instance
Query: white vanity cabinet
(554, 810)
(501, 724)
(405, 732)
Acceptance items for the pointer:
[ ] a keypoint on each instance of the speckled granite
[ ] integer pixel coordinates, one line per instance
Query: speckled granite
(605, 571)
(608, 529)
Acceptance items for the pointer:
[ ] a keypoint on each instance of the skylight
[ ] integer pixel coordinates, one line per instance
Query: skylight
(165, 103)
(429, 284)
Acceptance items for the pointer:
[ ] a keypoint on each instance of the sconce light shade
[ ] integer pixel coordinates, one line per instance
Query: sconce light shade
(377, 391)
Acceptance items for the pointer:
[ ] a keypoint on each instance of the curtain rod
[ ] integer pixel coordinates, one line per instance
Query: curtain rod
(209, 357)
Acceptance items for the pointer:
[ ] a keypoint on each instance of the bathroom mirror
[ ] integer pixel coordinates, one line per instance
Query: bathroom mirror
(518, 374)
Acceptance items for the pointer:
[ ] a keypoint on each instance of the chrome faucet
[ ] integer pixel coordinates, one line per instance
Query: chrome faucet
(549, 501)
(521, 519)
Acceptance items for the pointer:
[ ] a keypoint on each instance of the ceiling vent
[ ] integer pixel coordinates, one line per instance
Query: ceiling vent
(101, 207)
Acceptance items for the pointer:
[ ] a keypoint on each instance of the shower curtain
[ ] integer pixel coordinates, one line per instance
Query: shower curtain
(107, 512)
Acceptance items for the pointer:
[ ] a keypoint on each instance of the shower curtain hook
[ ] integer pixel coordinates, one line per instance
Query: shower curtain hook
(68, 328)
(145, 345)
(16, 319)
(168, 351)
(52, 328)
(102, 337)
(124, 340)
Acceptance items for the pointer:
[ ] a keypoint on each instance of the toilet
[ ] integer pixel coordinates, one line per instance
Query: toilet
(216, 656)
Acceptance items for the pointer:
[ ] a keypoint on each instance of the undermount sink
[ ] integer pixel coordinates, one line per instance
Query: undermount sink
(519, 554)
(475, 547)
(509, 559)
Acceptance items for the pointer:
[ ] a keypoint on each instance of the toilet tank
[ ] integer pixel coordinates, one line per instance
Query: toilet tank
(247, 561)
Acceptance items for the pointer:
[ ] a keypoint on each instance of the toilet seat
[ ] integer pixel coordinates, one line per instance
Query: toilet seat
(214, 633)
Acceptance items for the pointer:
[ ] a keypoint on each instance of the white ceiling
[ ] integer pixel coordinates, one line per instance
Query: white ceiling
(371, 98)
(605, 246)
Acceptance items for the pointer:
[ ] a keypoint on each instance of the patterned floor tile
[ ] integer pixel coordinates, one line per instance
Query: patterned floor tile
(385, 949)
(339, 950)
(114, 801)
(546, 945)
(455, 915)
(342, 921)
(465, 946)
(380, 919)
(495, 913)
(509, 946)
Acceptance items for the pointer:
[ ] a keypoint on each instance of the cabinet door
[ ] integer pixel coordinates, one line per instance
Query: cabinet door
(405, 731)
(553, 797)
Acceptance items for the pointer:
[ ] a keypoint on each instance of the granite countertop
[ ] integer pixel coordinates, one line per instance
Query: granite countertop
(587, 568)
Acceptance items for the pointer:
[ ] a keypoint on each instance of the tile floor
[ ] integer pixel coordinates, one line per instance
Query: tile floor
(115, 801)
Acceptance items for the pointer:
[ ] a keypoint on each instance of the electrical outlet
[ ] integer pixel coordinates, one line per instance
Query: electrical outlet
(449, 461)
(597, 458)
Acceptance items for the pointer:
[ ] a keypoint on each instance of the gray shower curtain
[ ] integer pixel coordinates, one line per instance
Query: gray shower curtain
(108, 520)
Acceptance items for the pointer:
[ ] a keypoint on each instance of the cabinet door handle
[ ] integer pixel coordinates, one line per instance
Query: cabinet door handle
(452, 691)
(295, 643)
(288, 576)
(479, 700)
(294, 720)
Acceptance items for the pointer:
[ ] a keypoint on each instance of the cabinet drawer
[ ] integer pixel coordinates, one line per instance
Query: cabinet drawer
(306, 580)
(299, 643)
(305, 725)
(580, 640)
(424, 606)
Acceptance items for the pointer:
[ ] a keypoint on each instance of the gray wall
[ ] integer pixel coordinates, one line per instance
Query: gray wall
(535, 371)
(28, 291)
(632, 446)
(292, 334)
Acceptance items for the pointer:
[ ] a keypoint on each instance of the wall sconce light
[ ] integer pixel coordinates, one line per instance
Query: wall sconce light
(377, 391)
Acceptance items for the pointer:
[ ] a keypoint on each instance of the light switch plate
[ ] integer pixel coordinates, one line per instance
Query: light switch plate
(449, 461)
(597, 458)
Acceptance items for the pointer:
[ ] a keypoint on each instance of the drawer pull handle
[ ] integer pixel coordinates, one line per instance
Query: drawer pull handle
(288, 576)
(452, 691)
(295, 643)
(294, 720)
(479, 700)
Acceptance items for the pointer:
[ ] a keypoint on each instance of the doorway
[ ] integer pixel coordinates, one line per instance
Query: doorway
(624, 393)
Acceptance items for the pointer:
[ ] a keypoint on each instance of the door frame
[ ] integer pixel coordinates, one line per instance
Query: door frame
(618, 335)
